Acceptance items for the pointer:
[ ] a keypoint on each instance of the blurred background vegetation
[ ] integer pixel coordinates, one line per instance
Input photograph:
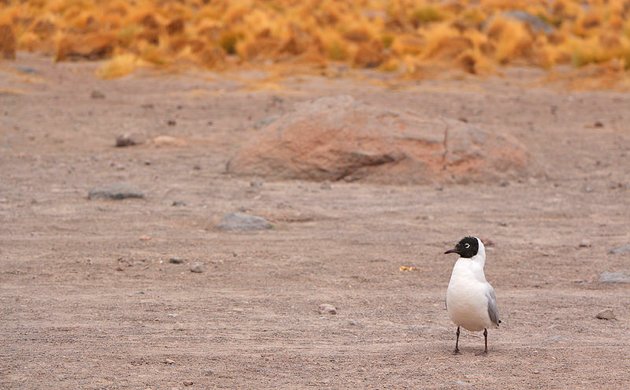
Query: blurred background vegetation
(415, 39)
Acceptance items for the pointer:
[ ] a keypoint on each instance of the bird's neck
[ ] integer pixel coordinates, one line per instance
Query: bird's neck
(480, 257)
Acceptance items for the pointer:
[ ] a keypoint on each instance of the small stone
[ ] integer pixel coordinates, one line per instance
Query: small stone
(128, 140)
(598, 124)
(256, 183)
(606, 314)
(197, 267)
(167, 140)
(585, 243)
(97, 95)
(265, 122)
(620, 250)
(353, 322)
(27, 70)
(243, 222)
(326, 308)
(614, 277)
(115, 191)
(188, 383)
(169, 361)
(504, 183)
(171, 122)
(178, 203)
(176, 260)
(326, 185)
(462, 384)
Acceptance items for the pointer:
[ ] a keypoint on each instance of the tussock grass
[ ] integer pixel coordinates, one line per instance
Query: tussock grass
(404, 36)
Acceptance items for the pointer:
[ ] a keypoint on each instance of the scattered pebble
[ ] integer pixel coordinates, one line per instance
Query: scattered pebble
(606, 314)
(197, 267)
(462, 384)
(613, 277)
(326, 186)
(27, 70)
(97, 95)
(128, 139)
(243, 222)
(265, 122)
(188, 383)
(620, 250)
(167, 140)
(353, 322)
(326, 308)
(178, 203)
(171, 122)
(115, 191)
(598, 124)
(169, 361)
(585, 243)
(176, 260)
(256, 183)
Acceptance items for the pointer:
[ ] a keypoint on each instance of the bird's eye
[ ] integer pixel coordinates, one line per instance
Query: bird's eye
(467, 245)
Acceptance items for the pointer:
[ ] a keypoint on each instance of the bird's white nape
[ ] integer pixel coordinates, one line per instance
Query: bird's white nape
(481, 253)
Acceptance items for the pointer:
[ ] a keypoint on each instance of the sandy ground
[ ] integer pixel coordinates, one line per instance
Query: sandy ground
(89, 300)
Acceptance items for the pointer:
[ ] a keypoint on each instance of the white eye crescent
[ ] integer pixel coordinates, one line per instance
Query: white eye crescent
(467, 245)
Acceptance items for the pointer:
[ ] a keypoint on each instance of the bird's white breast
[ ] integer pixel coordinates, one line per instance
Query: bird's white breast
(466, 297)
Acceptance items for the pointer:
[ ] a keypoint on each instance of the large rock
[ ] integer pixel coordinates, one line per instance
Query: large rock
(338, 137)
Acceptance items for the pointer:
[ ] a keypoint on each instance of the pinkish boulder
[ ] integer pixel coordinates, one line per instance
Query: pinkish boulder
(336, 138)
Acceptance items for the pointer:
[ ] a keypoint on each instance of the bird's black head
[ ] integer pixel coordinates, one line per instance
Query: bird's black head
(467, 247)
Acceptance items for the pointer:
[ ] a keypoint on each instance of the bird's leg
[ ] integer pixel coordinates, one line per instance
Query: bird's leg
(485, 337)
(456, 351)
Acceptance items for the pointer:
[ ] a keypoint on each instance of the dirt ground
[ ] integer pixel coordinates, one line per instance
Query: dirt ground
(89, 300)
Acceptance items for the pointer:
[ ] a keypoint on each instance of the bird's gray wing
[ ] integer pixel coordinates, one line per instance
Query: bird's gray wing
(493, 310)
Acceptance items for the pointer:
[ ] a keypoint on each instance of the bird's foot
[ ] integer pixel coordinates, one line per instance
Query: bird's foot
(456, 352)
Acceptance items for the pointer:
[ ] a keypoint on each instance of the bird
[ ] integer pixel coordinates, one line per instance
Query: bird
(470, 300)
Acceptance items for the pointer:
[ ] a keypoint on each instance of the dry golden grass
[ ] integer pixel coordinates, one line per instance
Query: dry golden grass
(411, 37)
